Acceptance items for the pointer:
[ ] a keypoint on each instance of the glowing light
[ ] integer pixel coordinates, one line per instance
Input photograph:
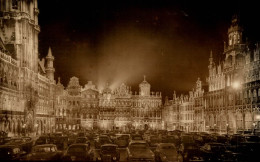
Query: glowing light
(236, 85)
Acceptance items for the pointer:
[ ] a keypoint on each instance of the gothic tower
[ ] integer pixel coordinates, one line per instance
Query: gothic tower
(19, 31)
(144, 88)
(49, 66)
(235, 53)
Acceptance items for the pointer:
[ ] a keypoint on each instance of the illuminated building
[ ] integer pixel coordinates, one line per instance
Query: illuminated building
(199, 107)
(147, 108)
(26, 84)
(61, 107)
(232, 103)
(170, 113)
(89, 107)
(179, 113)
(74, 105)
(122, 110)
(186, 112)
(107, 106)
(123, 101)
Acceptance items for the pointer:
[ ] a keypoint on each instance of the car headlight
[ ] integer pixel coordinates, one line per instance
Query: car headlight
(99, 158)
(114, 158)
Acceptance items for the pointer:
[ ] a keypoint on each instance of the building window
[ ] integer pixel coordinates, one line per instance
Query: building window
(15, 4)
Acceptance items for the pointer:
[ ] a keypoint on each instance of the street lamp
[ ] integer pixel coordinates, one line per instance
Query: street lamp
(227, 128)
(24, 128)
(36, 126)
(254, 124)
(236, 85)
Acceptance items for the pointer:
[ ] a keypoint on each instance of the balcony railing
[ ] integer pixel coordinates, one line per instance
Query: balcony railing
(8, 58)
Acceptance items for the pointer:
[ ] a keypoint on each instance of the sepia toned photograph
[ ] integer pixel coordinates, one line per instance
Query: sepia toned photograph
(129, 80)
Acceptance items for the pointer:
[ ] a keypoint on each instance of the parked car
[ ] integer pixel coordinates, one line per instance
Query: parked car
(172, 139)
(247, 149)
(153, 142)
(43, 139)
(125, 136)
(84, 140)
(165, 152)
(60, 141)
(217, 152)
(139, 151)
(4, 140)
(45, 152)
(136, 137)
(121, 141)
(11, 152)
(101, 140)
(71, 140)
(78, 152)
(81, 134)
(189, 149)
(25, 143)
(222, 139)
(236, 139)
(108, 152)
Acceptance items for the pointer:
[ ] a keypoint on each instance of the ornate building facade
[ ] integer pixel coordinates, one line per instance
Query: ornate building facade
(26, 84)
(147, 108)
(232, 103)
(171, 113)
(86, 108)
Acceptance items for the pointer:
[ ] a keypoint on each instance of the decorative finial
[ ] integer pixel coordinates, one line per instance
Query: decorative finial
(49, 52)
(58, 79)
(144, 78)
(210, 53)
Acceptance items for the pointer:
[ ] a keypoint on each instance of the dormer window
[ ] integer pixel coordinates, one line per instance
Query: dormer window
(15, 4)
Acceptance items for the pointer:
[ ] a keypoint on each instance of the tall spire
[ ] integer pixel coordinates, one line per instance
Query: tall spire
(49, 66)
(144, 78)
(211, 58)
(49, 53)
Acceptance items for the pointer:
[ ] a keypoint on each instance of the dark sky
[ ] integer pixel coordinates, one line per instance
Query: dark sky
(120, 41)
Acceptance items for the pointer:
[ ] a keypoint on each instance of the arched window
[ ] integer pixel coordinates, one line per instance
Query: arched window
(255, 95)
(245, 94)
(15, 4)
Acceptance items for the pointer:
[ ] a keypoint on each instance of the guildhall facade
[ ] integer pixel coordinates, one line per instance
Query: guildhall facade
(119, 109)
(230, 102)
(27, 86)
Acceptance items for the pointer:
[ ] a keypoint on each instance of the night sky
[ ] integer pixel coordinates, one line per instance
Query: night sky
(120, 41)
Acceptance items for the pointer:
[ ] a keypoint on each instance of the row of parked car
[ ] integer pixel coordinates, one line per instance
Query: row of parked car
(138, 146)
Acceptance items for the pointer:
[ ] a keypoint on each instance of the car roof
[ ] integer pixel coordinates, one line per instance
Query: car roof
(8, 146)
(45, 145)
(78, 144)
(109, 145)
(166, 144)
(82, 137)
(16, 138)
(137, 141)
(215, 143)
